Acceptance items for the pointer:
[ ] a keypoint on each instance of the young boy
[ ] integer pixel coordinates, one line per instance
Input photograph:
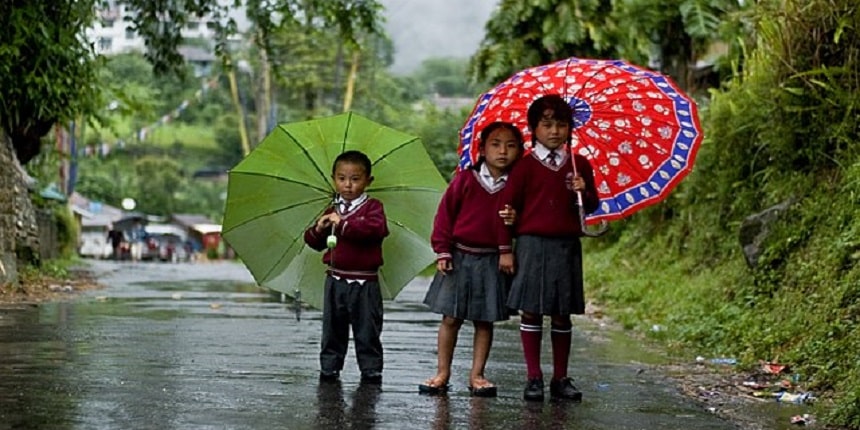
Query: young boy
(352, 294)
(542, 188)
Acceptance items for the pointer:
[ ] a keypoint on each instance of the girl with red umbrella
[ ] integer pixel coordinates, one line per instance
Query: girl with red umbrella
(543, 189)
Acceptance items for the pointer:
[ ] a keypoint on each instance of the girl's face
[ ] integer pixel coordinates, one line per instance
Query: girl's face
(552, 133)
(350, 180)
(500, 150)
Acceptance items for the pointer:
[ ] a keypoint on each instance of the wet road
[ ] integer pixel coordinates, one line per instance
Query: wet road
(199, 346)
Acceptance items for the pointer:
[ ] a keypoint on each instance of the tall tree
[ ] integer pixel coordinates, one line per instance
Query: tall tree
(48, 68)
(667, 34)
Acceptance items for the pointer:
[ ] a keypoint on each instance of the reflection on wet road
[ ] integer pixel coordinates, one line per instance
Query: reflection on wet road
(199, 346)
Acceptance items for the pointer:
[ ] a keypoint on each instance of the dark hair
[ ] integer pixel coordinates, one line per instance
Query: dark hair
(488, 130)
(355, 157)
(561, 111)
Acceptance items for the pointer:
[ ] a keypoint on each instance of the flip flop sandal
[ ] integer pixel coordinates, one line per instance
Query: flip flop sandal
(433, 390)
(488, 391)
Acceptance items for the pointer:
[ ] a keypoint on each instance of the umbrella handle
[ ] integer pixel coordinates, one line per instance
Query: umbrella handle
(599, 231)
(298, 297)
(604, 226)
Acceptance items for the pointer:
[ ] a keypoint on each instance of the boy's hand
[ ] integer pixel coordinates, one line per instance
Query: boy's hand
(508, 215)
(327, 221)
(444, 266)
(506, 263)
(575, 183)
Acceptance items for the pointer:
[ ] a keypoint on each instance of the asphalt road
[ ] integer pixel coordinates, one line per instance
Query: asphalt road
(198, 346)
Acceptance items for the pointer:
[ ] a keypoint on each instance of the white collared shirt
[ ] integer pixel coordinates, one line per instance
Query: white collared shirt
(344, 206)
(542, 152)
(491, 184)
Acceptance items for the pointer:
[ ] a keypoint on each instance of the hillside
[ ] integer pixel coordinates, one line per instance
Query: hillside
(780, 170)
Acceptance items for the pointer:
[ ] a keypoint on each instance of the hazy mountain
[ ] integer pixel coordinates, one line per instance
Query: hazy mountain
(423, 29)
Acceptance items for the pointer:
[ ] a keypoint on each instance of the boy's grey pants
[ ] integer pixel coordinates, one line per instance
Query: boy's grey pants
(359, 305)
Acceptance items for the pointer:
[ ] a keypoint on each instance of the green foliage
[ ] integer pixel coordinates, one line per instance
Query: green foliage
(32, 275)
(67, 231)
(671, 33)
(446, 77)
(46, 73)
(158, 180)
(783, 130)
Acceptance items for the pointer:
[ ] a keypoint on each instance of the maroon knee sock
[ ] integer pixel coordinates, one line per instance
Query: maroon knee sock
(560, 337)
(530, 335)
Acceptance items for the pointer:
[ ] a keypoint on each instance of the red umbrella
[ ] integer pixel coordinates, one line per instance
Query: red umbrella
(638, 130)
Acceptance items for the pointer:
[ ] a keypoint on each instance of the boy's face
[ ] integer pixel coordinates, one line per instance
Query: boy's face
(552, 133)
(350, 179)
(501, 149)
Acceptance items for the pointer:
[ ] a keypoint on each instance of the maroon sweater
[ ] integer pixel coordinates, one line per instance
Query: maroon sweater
(468, 219)
(545, 206)
(358, 254)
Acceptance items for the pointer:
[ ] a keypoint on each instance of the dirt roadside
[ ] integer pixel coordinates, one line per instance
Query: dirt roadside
(46, 289)
(725, 390)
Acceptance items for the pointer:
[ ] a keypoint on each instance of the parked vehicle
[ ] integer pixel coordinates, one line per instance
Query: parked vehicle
(94, 243)
(171, 248)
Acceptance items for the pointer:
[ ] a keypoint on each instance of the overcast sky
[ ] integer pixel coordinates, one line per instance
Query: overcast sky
(423, 29)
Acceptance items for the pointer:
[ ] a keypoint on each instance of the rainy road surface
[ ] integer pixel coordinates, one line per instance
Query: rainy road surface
(187, 346)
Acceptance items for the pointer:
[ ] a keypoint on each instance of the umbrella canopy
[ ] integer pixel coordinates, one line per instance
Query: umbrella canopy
(283, 186)
(638, 130)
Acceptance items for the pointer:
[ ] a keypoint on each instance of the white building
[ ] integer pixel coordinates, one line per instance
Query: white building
(112, 35)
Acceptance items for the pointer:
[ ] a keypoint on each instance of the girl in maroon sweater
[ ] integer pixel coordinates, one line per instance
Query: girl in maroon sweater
(469, 284)
(542, 188)
(352, 295)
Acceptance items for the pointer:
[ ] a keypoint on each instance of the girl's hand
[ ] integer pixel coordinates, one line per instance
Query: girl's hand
(508, 215)
(575, 183)
(444, 266)
(506, 263)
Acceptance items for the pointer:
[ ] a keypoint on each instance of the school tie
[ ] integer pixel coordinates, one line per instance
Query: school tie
(551, 159)
(344, 206)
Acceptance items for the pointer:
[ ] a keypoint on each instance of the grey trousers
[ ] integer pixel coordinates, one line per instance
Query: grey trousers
(360, 306)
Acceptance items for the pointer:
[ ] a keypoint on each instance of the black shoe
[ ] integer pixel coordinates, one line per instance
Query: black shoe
(564, 389)
(372, 377)
(534, 390)
(329, 375)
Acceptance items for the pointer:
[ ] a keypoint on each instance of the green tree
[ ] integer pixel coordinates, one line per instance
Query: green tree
(48, 68)
(158, 180)
(670, 34)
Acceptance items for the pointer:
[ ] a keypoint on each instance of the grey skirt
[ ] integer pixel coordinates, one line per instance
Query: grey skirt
(475, 290)
(548, 280)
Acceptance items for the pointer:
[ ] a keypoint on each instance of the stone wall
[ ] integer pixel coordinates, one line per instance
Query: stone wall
(18, 228)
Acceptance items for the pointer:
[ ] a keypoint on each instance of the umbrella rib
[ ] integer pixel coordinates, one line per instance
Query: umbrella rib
(403, 188)
(395, 149)
(282, 258)
(291, 181)
(308, 156)
(278, 210)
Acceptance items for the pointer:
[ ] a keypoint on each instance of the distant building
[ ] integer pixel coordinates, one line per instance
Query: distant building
(112, 34)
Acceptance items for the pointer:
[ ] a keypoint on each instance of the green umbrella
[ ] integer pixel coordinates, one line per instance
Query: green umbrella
(283, 186)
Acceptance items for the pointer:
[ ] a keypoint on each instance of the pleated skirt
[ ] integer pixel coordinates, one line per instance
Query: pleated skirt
(475, 290)
(548, 280)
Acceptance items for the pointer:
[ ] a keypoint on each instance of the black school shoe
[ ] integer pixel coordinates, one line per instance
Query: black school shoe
(329, 375)
(534, 390)
(564, 389)
(371, 377)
